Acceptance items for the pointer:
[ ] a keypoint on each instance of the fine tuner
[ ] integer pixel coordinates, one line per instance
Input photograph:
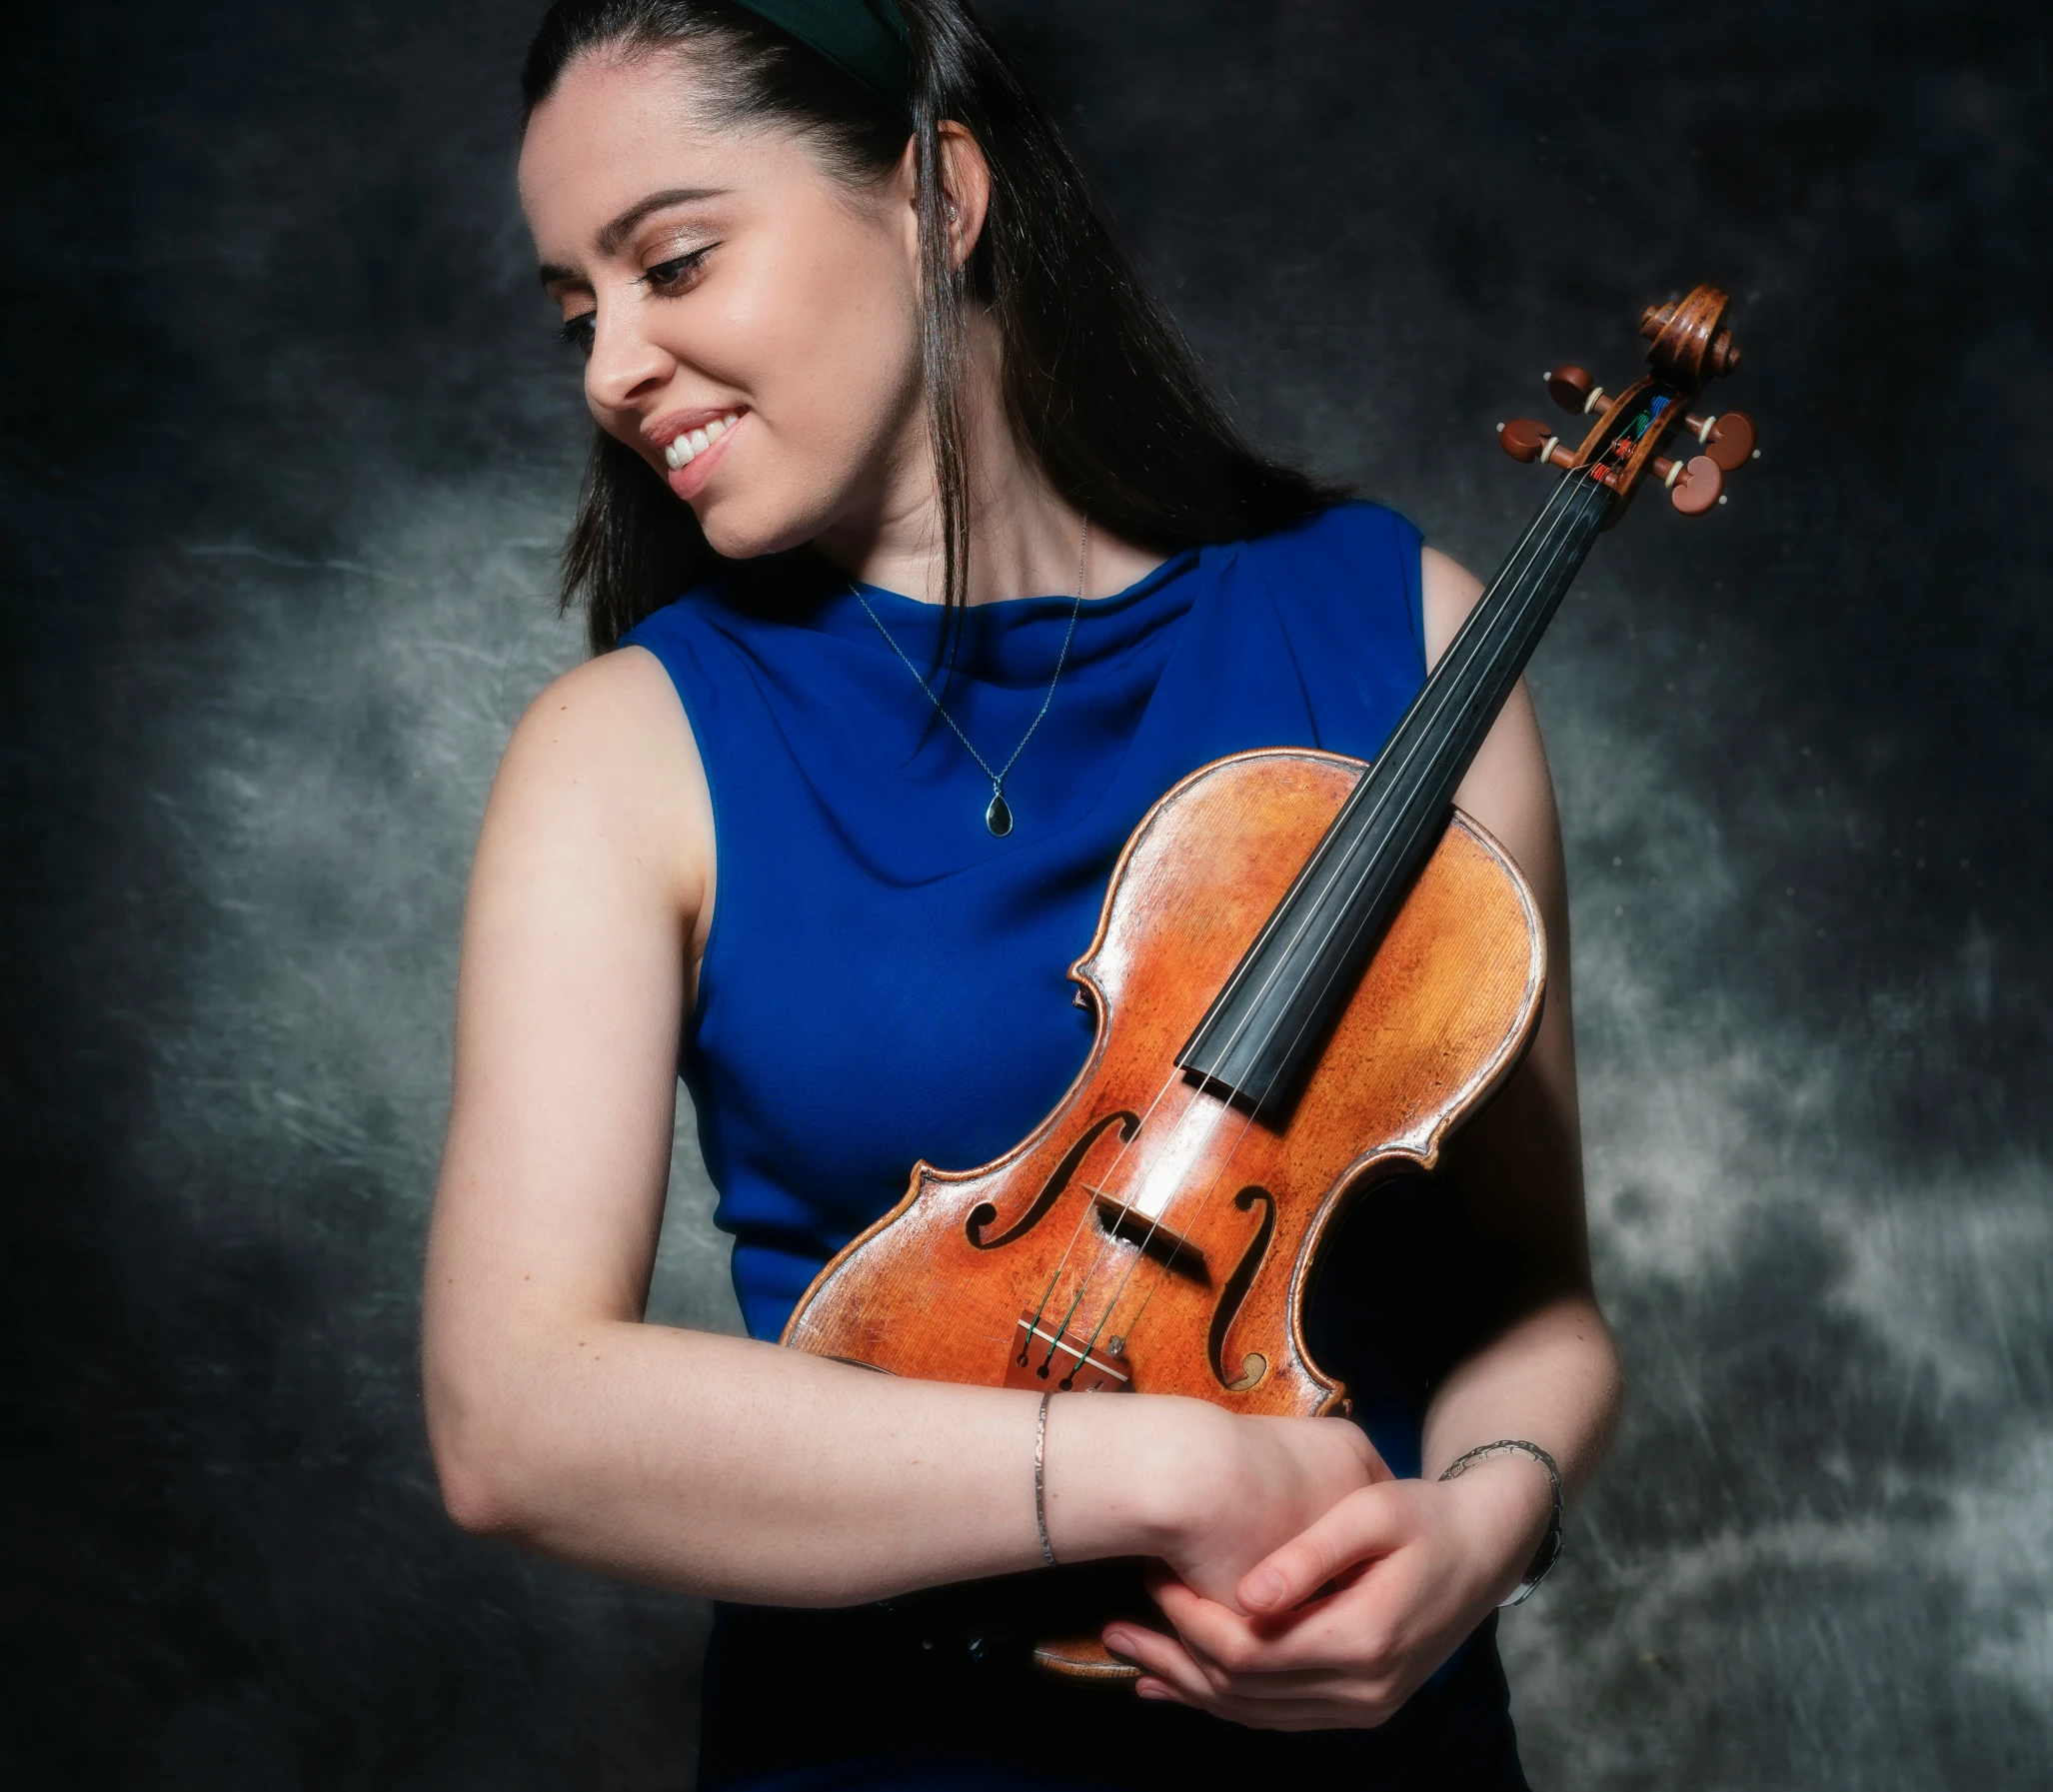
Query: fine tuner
(1689, 331)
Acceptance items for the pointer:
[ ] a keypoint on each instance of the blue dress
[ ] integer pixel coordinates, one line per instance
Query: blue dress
(884, 980)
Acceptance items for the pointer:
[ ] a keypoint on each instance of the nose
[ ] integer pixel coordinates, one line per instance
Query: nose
(625, 364)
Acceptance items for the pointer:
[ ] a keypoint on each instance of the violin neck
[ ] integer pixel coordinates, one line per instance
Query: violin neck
(1270, 1025)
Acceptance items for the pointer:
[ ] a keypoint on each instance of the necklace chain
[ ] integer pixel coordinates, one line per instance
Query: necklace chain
(998, 816)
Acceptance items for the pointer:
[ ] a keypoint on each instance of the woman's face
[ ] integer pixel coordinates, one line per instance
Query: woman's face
(750, 322)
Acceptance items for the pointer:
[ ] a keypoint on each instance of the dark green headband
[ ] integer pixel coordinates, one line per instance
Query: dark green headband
(866, 39)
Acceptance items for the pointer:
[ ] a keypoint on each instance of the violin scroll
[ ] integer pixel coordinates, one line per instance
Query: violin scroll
(1693, 345)
(1690, 339)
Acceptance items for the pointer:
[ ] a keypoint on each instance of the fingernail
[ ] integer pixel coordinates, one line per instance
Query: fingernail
(1263, 1587)
(1120, 1642)
(1146, 1691)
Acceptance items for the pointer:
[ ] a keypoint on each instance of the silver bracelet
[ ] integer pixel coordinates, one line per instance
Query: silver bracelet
(1048, 1549)
(1550, 1552)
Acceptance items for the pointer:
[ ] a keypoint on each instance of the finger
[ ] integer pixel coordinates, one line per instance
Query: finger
(1222, 1639)
(1178, 1602)
(1162, 1658)
(1190, 1612)
(1367, 1523)
(1298, 1656)
(1281, 1701)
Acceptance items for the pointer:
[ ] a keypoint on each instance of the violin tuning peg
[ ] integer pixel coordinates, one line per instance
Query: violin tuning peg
(1574, 389)
(1523, 438)
(1694, 484)
(1527, 438)
(1728, 439)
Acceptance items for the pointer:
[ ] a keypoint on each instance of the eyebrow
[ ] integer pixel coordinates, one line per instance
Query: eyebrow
(613, 234)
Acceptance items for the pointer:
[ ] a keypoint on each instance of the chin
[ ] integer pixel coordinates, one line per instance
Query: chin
(745, 531)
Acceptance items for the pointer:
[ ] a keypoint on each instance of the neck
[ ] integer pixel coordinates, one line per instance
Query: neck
(1264, 1034)
(1024, 538)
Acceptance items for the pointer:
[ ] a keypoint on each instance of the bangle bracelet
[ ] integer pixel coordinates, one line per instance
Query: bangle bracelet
(1048, 1549)
(1550, 1552)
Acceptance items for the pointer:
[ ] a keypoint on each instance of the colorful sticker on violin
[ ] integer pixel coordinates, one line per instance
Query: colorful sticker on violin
(1622, 446)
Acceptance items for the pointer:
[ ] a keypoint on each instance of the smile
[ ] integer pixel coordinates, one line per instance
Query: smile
(689, 446)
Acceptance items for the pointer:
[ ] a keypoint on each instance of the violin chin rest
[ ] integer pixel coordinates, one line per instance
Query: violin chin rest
(1081, 1658)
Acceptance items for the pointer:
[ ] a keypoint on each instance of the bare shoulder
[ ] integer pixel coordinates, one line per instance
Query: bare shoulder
(618, 706)
(1508, 788)
(603, 769)
(1448, 589)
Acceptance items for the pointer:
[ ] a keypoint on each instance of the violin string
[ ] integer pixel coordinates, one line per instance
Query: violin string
(1578, 508)
(1551, 514)
(1574, 514)
(1543, 521)
(1082, 1218)
(1584, 512)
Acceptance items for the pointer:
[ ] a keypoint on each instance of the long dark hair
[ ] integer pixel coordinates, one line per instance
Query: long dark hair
(1099, 385)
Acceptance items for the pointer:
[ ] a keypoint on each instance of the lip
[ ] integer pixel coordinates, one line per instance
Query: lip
(689, 480)
(668, 427)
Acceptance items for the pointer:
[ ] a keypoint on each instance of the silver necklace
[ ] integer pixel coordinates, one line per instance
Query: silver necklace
(997, 814)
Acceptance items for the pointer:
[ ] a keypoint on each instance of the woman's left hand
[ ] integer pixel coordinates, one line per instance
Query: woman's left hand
(1343, 1623)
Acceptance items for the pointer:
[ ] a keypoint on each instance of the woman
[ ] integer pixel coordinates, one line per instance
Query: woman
(870, 381)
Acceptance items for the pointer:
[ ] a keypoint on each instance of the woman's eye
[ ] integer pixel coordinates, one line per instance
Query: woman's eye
(577, 331)
(673, 275)
(667, 278)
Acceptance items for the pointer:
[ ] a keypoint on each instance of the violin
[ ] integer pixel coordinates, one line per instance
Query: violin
(1307, 973)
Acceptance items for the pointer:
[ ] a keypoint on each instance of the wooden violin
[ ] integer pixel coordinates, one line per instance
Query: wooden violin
(1306, 973)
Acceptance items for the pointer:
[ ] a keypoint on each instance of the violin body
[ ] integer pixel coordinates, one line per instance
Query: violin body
(1149, 1235)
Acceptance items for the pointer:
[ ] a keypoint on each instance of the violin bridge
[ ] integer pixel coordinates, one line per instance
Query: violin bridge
(1043, 1359)
(1157, 1241)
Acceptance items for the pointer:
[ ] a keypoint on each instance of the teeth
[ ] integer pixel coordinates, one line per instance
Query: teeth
(686, 448)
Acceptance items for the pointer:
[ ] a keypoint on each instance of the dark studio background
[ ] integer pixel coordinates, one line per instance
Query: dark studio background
(288, 454)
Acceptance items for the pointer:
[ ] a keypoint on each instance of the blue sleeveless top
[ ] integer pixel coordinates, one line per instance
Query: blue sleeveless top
(884, 980)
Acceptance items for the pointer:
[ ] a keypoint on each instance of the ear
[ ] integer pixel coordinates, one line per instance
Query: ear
(966, 180)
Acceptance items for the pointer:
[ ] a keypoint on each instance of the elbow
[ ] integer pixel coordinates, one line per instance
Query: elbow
(476, 1493)
(476, 1466)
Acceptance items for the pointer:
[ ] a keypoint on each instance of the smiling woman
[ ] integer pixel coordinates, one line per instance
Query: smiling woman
(1024, 292)
(875, 391)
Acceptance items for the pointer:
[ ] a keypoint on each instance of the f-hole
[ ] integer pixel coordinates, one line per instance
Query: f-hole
(1236, 1291)
(1073, 1160)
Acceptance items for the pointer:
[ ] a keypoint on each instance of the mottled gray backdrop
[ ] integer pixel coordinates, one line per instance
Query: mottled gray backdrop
(288, 452)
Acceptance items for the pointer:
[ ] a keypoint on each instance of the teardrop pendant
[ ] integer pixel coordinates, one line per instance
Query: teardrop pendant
(998, 816)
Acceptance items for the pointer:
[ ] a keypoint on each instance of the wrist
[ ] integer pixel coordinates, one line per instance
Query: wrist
(1131, 1476)
(1506, 1506)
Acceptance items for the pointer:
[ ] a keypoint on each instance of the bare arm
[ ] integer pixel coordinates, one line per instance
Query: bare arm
(1552, 1374)
(562, 1421)
(1421, 1564)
